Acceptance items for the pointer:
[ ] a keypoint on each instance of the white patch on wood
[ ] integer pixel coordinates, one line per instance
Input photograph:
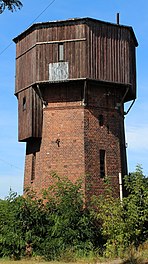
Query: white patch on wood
(58, 71)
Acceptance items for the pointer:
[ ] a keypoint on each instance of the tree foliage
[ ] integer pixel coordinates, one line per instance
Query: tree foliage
(136, 206)
(58, 223)
(124, 224)
(49, 226)
(12, 5)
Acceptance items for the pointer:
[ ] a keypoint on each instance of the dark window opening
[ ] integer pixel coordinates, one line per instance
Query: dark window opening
(102, 163)
(101, 120)
(108, 129)
(33, 166)
(61, 52)
(24, 103)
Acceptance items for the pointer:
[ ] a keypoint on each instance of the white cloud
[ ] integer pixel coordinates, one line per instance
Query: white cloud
(137, 138)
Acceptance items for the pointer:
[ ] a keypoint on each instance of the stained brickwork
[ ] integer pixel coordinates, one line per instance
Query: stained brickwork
(62, 145)
(107, 136)
(72, 137)
(76, 76)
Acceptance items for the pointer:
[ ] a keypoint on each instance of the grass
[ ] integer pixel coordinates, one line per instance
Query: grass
(133, 257)
(55, 262)
(115, 261)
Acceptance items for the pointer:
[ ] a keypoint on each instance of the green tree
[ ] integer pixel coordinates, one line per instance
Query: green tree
(12, 5)
(22, 225)
(124, 223)
(51, 226)
(71, 226)
(10, 234)
(59, 222)
(136, 206)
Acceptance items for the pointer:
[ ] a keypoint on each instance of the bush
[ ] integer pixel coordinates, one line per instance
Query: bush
(124, 223)
(50, 226)
(71, 222)
(21, 225)
(136, 207)
(60, 226)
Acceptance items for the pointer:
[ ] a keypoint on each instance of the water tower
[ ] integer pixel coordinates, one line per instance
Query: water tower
(72, 80)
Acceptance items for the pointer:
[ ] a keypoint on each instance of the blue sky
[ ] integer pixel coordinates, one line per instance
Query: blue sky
(132, 13)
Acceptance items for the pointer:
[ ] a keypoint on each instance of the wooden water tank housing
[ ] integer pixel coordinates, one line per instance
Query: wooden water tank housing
(91, 49)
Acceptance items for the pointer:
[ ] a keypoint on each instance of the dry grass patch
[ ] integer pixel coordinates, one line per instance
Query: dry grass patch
(55, 262)
(134, 257)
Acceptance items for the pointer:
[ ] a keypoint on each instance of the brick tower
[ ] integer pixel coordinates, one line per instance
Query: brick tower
(72, 80)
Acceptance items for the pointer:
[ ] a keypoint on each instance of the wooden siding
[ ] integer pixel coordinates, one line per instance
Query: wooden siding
(25, 43)
(111, 54)
(93, 49)
(32, 65)
(30, 118)
(26, 70)
(37, 113)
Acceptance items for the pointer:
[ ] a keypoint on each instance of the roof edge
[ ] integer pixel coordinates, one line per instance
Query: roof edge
(71, 21)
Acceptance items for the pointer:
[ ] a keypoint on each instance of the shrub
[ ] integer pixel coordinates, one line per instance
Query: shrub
(124, 223)
(60, 226)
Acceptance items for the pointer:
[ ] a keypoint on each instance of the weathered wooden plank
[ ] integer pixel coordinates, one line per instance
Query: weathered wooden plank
(29, 115)
(93, 49)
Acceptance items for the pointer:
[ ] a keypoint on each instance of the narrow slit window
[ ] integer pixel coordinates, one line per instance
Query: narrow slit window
(33, 166)
(102, 163)
(61, 52)
(101, 120)
(24, 103)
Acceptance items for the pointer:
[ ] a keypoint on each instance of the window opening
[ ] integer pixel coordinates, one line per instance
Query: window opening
(61, 52)
(108, 129)
(101, 120)
(33, 166)
(102, 163)
(24, 103)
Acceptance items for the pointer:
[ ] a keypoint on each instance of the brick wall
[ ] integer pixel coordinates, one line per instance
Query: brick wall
(72, 138)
